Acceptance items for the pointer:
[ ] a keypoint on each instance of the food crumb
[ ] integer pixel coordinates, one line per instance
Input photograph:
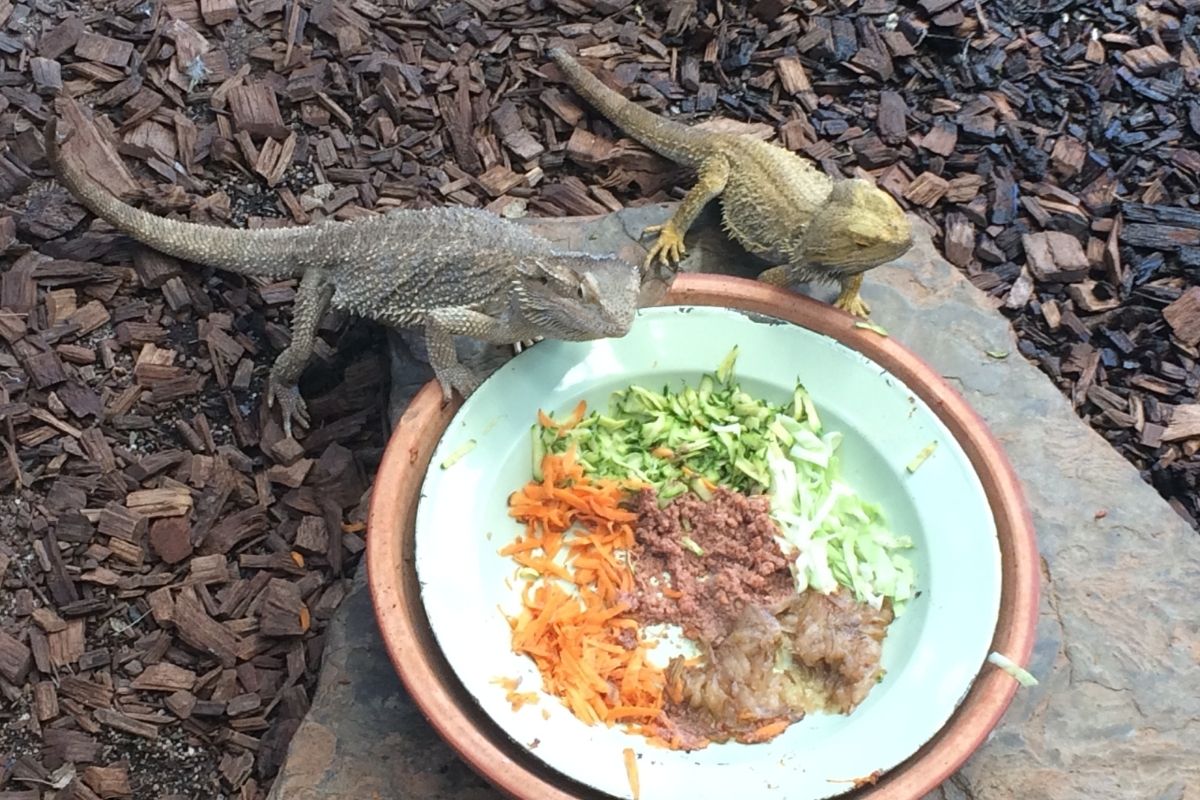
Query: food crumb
(920, 458)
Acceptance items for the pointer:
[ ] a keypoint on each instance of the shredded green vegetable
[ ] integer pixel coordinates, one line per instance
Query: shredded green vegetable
(1021, 675)
(871, 326)
(676, 440)
(458, 453)
(920, 457)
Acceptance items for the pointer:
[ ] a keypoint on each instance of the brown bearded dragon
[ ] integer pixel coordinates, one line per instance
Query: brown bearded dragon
(454, 271)
(775, 203)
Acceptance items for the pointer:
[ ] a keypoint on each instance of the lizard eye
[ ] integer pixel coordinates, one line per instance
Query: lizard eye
(583, 291)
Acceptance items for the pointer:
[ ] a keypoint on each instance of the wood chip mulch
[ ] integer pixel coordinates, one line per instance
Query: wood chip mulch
(169, 561)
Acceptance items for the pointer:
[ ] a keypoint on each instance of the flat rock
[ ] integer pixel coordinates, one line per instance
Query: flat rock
(1117, 710)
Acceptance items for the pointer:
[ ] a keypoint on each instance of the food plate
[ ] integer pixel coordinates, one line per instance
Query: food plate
(932, 653)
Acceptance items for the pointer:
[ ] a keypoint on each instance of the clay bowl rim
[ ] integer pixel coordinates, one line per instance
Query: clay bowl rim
(417, 659)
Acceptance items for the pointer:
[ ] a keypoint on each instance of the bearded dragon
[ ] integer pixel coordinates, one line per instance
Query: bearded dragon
(775, 203)
(454, 271)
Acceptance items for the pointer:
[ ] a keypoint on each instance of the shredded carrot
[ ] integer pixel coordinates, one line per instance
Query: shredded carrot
(632, 771)
(570, 422)
(580, 640)
(766, 732)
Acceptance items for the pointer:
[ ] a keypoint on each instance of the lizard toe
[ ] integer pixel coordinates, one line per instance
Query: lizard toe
(292, 409)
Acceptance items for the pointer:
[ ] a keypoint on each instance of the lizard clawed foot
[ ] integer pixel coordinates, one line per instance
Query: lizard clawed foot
(459, 378)
(291, 405)
(668, 249)
(853, 304)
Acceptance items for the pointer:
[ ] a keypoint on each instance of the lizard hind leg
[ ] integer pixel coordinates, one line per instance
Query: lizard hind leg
(776, 276)
(669, 248)
(312, 301)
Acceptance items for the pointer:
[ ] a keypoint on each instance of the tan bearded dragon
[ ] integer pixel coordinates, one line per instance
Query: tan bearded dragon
(775, 203)
(454, 271)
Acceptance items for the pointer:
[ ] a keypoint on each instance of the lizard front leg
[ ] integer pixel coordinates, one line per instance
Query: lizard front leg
(441, 328)
(849, 300)
(710, 182)
(312, 300)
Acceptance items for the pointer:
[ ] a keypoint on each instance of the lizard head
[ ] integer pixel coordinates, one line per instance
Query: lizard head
(858, 228)
(577, 296)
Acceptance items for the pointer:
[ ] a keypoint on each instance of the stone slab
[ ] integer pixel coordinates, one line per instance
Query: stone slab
(1117, 712)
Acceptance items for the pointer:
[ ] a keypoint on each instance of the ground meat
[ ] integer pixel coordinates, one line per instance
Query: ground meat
(741, 563)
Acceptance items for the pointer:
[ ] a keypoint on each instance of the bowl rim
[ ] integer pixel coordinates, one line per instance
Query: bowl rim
(433, 686)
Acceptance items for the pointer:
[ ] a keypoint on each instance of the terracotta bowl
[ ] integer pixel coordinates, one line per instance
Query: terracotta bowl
(435, 688)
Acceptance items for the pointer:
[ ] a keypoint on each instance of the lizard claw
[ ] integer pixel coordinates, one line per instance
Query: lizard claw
(525, 344)
(668, 249)
(291, 405)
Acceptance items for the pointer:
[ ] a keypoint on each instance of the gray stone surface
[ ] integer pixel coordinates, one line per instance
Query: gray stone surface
(1117, 712)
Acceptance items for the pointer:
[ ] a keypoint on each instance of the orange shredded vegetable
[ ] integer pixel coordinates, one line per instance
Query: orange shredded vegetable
(575, 529)
(568, 423)
(766, 732)
(632, 771)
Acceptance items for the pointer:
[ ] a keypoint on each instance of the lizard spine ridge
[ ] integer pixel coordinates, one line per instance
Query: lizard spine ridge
(273, 252)
(664, 136)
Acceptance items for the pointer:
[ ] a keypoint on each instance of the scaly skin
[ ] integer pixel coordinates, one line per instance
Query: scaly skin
(454, 271)
(775, 203)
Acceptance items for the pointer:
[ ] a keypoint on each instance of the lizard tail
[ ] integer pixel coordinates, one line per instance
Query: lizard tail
(664, 136)
(271, 253)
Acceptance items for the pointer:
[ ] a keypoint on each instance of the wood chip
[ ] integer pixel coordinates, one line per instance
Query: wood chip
(15, 659)
(1055, 256)
(1183, 315)
(124, 723)
(1184, 423)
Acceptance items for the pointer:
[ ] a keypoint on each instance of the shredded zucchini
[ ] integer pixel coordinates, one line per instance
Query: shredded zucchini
(1022, 676)
(458, 453)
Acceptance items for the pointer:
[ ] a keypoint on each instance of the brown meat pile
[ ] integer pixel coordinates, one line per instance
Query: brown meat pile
(741, 563)
(833, 644)
(838, 641)
(737, 601)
